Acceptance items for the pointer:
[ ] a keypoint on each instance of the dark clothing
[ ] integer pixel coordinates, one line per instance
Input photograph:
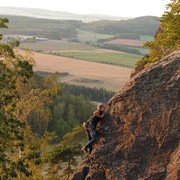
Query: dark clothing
(89, 139)
(93, 121)
(96, 119)
(92, 138)
(91, 131)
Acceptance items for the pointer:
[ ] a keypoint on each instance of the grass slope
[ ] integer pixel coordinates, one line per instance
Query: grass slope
(119, 59)
(91, 36)
(56, 45)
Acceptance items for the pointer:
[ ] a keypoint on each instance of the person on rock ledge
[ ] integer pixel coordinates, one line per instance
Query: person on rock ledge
(91, 125)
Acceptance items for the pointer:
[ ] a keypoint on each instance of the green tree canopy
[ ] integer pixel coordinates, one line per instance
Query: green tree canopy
(20, 151)
(64, 157)
(167, 38)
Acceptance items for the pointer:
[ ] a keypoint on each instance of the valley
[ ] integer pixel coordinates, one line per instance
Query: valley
(84, 73)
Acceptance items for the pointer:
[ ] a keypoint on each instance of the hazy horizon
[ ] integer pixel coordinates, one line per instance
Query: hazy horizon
(119, 8)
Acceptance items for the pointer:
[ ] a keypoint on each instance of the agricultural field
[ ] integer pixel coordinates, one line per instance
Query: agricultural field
(128, 42)
(82, 51)
(55, 45)
(83, 65)
(146, 38)
(60, 45)
(83, 73)
(115, 58)
(91, 36)
(142, 50)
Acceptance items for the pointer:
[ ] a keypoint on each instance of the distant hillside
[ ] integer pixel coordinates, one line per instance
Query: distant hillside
(145, 25)
(57, 29)
(47, 28)
(47, 14)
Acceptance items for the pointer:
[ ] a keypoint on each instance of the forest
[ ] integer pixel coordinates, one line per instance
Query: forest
(36, 112)
(58, 29)
(70, 107)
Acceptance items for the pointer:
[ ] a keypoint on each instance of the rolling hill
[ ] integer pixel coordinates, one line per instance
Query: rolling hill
(47, 14)
(57, 29)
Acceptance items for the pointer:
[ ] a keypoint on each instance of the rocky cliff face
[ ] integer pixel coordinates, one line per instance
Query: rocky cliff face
(141, 131)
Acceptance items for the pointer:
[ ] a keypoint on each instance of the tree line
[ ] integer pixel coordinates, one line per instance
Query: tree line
(146, 25)
(71, 106)
(93, 94)
(119, 47)
(58, 29)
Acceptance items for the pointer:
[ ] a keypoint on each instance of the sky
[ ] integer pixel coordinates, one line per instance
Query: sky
(123, 8)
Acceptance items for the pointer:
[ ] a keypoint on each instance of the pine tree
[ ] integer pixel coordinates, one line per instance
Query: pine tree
(64, 156)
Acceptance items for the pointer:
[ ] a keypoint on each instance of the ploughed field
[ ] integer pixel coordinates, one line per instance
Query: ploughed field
(128, 42)
(81, 64)
(85, 73)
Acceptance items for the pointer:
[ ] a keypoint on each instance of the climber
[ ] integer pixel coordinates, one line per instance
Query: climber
(90, 127)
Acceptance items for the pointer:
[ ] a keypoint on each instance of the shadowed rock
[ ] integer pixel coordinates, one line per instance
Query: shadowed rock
(140, 133)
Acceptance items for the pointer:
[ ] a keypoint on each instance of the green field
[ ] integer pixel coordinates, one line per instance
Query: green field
(119, 59)
(83, 52)
(143, 51)
(91, 36)
(146, 38)
(56, 45)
